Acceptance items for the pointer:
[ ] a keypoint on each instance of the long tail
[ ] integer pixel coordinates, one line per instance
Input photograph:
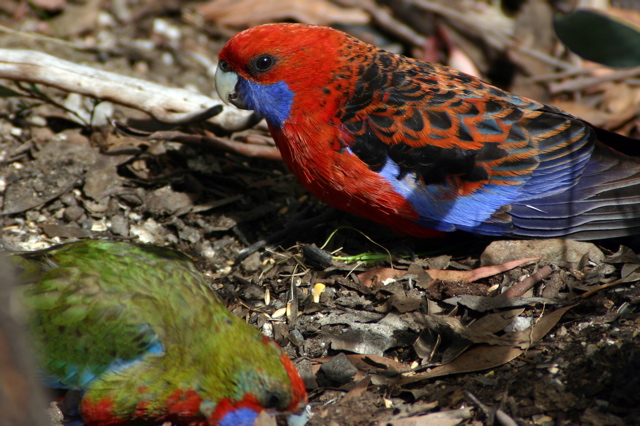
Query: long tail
(605, 203)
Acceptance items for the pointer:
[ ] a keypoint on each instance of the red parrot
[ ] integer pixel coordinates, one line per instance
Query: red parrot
(420, 147)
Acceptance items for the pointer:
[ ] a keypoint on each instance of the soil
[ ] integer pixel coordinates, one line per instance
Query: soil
(62, 179)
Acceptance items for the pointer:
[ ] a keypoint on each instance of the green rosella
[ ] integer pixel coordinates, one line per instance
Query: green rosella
(140, 331)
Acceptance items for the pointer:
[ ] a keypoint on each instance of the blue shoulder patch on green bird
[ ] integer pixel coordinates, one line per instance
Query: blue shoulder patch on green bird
(80, 377)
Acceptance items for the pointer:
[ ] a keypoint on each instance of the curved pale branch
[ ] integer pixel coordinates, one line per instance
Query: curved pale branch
(166, 104)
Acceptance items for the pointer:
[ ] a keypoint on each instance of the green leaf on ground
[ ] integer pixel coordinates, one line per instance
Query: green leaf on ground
(599, 37)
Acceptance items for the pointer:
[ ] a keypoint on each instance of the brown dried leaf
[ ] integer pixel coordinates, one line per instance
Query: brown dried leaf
(621, 100)
(375, 364)
(440, 418)
(478, 273)
(483, 303)
(358, 389)
(495, 322)
(453, 329)
(430, 340)
(484, 356)
(380, 275)
(368, 278)
(246, 13)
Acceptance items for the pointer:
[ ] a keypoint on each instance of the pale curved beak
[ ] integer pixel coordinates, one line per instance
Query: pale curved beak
(300, 418)
(227, 88)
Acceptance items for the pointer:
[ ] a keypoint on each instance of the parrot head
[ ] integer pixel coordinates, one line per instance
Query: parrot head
(257, 390)
(261, 70)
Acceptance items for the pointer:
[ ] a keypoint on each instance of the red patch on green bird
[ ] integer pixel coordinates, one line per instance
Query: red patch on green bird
(99, 413)
(269, 341)
(183, 403)
(141, 409)
(227, 405)
(299, 390)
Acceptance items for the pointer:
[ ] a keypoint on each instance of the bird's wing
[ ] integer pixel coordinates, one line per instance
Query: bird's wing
(460, 151)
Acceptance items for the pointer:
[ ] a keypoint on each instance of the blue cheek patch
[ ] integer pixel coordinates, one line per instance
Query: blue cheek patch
(271, 101)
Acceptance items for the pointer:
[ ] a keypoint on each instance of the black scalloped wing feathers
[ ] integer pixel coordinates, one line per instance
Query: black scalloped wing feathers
(470, 156)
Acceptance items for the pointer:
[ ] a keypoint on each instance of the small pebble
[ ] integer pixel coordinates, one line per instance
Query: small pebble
(296, 337)
(336, 372)
(252, 263)
(73, 213)
(68, 199)
(305, 368)
(120, 226)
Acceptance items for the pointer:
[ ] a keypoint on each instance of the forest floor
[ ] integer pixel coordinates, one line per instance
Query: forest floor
(384, 329)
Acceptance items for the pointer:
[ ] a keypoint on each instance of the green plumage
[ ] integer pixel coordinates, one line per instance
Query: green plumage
(137, 326)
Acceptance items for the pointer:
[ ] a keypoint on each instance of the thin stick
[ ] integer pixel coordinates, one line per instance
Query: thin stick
(166, 104)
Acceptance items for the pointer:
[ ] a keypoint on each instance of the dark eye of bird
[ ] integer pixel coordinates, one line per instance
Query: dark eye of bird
(264, 63)
(273, 401)
(224, 66)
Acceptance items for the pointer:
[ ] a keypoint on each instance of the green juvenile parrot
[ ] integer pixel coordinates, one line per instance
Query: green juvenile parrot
(140, 332)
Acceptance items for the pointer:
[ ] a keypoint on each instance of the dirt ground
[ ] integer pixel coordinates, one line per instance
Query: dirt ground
(412, 345)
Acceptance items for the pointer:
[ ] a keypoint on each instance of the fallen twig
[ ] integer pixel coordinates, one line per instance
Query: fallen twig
(166, 104)
(247, 149)
(582, 83)
(518, 290)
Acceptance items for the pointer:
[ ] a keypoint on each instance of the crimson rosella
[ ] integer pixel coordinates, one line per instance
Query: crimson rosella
(140, 331)
(420, 147)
